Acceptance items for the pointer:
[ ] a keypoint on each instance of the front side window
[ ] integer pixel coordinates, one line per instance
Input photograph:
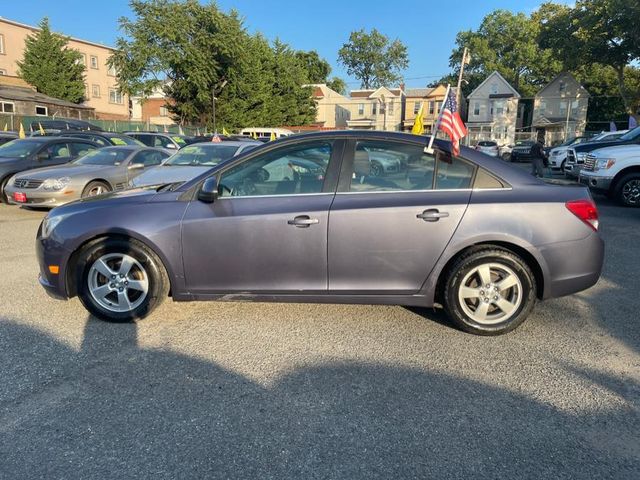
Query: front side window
(58, 150)
(80, 148)
(104, 156)
(149, 158)
(299, 169)
(202, 155)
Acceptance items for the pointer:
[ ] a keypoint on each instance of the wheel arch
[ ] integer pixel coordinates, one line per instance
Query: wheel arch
(621, 174)
(72, 269)
(532, 262)
(101, 180)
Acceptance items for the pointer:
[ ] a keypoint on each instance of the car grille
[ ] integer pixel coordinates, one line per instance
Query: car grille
(26, 183)
(590, 163)
(571, 157)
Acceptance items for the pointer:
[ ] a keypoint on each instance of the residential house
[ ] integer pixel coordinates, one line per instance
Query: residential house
(560, 109)
(332, 108)
(379, 109)
(18, 99)
(152, 110)
(493, 111)
(101, 82)
(432, 99)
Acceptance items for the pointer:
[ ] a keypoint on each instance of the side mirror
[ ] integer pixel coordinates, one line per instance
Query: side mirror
(136, 166)
(208, 192)
(42, 156)
(171, 146)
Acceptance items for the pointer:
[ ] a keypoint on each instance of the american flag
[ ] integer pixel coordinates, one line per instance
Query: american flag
(451, 123)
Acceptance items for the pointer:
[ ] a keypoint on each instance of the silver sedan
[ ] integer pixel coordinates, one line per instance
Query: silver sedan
(97, 172)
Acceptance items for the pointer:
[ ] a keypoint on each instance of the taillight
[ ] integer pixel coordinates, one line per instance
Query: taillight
(585, 210)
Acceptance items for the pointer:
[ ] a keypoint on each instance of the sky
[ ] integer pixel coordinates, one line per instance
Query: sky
(428, 28)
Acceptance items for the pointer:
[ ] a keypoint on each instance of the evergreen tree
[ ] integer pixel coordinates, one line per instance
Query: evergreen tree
(51, 67)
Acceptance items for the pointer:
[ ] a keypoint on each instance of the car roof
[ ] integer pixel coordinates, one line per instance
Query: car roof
(226, 143)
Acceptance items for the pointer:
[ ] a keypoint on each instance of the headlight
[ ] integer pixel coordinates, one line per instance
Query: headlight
(49, 223)
(603, 164)
(582, 156)
(55, 183)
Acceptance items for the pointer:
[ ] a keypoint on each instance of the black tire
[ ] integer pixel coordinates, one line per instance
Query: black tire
(93, 186)
(3, 184)
(376, 169)
(627, 191)
(506, 157)
(464, 266)
(156, 274)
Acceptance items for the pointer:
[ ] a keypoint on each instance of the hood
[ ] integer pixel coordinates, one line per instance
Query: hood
(558, 150)
(617, 151)
(168, 174)
(59, 171)
(589, 146)
(11, 159)
(138, 195)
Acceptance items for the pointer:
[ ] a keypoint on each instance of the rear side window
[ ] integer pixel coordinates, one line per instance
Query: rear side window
(453, 173)
(79, 148)
(485, 180)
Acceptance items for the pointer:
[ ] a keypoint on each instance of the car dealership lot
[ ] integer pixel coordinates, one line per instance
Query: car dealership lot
(243, 390)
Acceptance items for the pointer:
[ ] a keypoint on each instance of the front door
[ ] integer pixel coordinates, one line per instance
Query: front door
(267, 231)
(395, 211)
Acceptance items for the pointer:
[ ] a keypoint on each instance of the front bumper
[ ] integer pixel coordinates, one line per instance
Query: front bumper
(572, 170)
(42, 198)
(595, 182)
(49, 252)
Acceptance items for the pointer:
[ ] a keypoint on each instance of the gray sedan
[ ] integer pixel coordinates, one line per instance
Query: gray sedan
(97, 172)
(191, 161)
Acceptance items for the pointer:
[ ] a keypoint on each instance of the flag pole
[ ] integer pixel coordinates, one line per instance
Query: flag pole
(429, 148)
(462, 64)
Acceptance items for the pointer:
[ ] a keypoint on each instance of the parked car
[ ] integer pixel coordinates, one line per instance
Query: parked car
(558, 154)
(170, 141)
(488, 147)
(264, 133)
(97, 172)
(521, 151)
(466, 232)
(104, 139)
(191, 161)
(64, 124)
(6, 137)
(35, 152)
(576, 155)
(615, 172)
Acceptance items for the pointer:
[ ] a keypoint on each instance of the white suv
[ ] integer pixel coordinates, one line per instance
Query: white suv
(614, 171)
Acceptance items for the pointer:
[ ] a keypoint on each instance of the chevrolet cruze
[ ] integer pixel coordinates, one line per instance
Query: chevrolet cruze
(304, 219)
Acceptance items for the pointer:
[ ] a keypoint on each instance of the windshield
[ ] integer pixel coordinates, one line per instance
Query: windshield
(631, 135)
(201, 155)
(105, 156)
(124, 140)
(19, 148)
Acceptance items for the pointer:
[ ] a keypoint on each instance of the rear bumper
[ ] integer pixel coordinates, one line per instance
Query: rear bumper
(572, 266)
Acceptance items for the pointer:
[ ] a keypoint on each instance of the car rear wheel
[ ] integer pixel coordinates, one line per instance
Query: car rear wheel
(628, 191)
(489, 291)
(506, 157)
(95, 188)
(121, 280)
(376, 169)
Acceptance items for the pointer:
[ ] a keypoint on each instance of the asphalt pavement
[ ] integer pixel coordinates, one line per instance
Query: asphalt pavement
(246, 390)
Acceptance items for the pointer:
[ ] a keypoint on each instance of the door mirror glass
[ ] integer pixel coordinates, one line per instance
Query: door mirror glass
(136, 166)
(208, 192)
(43, 155)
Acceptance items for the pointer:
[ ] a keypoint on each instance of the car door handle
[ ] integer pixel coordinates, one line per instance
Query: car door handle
(432, 215)
(303, 221)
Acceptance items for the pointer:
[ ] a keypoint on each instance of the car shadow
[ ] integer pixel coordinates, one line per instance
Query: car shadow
(111, 409)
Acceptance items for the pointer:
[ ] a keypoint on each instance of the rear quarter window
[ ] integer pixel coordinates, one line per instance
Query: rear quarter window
(485, 180)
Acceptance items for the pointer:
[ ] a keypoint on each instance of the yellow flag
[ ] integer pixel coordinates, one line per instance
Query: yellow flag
(272, 137)
(6, 127)
(418, 124)
(224, 131)
(137, 128)
(254, 135)
(42, 132)
(21, 132)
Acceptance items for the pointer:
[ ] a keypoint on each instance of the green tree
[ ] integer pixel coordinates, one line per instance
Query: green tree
(337, 84)
(318, 69)
(191, 50)
(373, 59)
(51, 67)
(508, 43)
(604, 32)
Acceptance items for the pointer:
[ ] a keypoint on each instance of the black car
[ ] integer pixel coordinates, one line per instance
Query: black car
(104, 139)
(576, 155)
(37, 152)
(522, 151)
(64, 124)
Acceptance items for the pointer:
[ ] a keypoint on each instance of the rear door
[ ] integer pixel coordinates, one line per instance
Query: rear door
(387, 229)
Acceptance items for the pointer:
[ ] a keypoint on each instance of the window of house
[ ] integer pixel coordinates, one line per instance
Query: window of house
(563, 108)
(361, 109)
(94, 62)
(499, 108)
(3, 71)
(115, 96)
(7, 107)
(95, 91)
(431, 107)
(542, 107)
(391, 107)
(374, 108)
(2, 44)
(112, 72)
(416, 107)
(164, 112)
(494, 88)
(574, 107)
(83, 59)
(476, 109)
(438, 105)
(562, 87)
(41, 111)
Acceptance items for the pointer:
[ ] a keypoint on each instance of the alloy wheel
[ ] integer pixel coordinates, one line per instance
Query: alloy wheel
(118, 282)
(490, 293)
(631, 192)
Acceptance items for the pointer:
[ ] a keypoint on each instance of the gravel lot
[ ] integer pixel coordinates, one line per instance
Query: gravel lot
(239, 390)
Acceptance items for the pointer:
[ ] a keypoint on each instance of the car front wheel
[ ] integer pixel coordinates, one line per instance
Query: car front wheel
(628, 191)
(121, 280)
(489, 291)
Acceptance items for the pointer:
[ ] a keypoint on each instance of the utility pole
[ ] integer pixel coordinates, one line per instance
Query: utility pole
(566, 125)
(465, 61)
(213, 103)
